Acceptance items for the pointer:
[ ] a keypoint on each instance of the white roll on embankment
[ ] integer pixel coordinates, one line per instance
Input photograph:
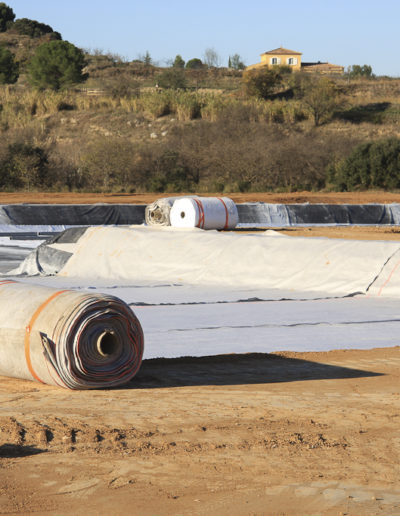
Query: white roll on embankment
(66, 338)
(204, 213)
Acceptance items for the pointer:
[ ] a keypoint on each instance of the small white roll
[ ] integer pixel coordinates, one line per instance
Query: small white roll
(204, 213)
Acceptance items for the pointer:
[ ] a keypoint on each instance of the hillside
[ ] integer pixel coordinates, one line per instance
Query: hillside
(119, 132)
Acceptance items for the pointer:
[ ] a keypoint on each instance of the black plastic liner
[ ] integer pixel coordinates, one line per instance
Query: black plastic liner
(257, 214)
(71, 214)
(276, 215)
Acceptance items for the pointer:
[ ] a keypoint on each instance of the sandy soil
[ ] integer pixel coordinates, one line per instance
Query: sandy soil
(296, 197)
(287, 434)
(277, 434)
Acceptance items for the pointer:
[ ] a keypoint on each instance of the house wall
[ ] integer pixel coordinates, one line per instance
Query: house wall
(282, 60)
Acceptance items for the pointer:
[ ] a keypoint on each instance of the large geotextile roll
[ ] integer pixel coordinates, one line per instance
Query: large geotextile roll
(157, 213)
(204, 213)
(72, 339)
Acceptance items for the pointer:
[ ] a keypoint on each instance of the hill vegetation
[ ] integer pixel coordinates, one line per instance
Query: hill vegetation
(101, 123)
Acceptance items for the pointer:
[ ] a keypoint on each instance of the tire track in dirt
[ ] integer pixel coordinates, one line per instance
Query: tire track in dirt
(60, 435)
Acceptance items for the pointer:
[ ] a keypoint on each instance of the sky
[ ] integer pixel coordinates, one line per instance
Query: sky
(343, 32)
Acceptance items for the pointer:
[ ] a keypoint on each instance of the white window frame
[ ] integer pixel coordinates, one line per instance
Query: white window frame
(292, 61)
(275, 61)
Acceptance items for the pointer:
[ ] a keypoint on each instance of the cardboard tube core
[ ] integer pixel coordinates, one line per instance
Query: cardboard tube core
(107, 343)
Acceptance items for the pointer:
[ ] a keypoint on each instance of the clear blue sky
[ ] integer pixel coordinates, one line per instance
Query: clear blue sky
(342, 32)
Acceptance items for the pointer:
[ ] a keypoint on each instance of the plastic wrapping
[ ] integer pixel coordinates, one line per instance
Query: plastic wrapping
(166, 255)
(204, 213)
(66, 338)
(157, 213)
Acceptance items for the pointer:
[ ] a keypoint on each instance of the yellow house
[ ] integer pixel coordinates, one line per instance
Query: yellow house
(279, 57)
(285, 57)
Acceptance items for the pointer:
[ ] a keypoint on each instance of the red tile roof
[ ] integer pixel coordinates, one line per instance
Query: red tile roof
(282, 51)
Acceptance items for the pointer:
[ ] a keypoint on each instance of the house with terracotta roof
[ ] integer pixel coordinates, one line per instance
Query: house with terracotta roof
(285, 57)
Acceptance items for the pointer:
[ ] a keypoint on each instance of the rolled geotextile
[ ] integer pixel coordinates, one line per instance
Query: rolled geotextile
(204, 213)
(157, 213)
(71, 339)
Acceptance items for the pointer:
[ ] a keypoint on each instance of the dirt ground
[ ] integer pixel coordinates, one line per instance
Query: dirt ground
(278, 434)
(294, 197)
(274, 434)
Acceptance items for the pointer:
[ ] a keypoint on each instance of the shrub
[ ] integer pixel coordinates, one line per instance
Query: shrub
(170, 174)
(56, 65)
(262, 82)
(24, 166)
(173, 78)
(122, 86)
(371, 165)
(8, 67)
(194, 64)
(111, 164)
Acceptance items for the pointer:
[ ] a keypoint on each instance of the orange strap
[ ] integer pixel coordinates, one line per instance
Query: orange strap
(226, 213)
(28, 331)
(389, 278)
(201, 213)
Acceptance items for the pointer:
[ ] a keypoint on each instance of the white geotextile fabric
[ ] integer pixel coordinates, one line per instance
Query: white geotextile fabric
(198, 321)
(72, 339)
(204, 213)
(265, 327)
(191, 256)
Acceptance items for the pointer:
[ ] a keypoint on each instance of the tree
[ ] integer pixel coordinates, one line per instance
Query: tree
(211, 58)
(321, 97)
(360, 71)
(146, 58)
(8, 67)
(33, 28)
(6, 17)
(262, 82)
(236, 62)
(194, 64)
(56, 65)
(370, 165)
(179, 62)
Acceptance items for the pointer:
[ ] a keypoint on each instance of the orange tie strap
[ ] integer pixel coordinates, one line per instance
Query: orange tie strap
(226, 213)
(6, 282)
(388, 278)
(28, 331)
(201, 213)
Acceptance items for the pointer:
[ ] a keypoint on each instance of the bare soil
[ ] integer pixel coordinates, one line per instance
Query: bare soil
(121, 198)
(274, 434)
(287, 434)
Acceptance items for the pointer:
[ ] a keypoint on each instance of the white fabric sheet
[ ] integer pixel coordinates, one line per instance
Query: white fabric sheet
(192, 256)
(221, 320)
(180, 319)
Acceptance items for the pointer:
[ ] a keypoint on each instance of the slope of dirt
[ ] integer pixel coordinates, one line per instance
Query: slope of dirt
(289, 434)
(284, 198)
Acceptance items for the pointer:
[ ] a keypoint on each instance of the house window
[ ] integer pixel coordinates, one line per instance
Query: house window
(275, 60)
(292, 61)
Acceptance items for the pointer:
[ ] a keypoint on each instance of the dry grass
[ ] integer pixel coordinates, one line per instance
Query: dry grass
(219, 139)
